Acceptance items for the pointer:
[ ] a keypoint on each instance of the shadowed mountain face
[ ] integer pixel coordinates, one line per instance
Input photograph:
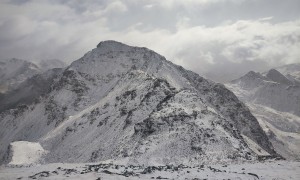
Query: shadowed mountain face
(276, 76)
(274, 98)
(15, 71)
(130, 103)
(30, 90)
(272, 89)
(23, 82)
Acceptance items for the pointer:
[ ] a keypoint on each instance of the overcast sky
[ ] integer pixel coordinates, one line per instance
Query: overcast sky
(221, 39)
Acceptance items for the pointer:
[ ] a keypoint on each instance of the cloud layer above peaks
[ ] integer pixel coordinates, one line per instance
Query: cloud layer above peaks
(221, 39)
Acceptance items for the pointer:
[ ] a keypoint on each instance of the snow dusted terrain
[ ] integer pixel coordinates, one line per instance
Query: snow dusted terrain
(30, 90)
(22, 82)
(274, 99)
(26, 153)
(15, 71)
(123, 112)
(262, 171)
(123, 102)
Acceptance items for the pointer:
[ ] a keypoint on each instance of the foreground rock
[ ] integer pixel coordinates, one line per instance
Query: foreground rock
(262, 170)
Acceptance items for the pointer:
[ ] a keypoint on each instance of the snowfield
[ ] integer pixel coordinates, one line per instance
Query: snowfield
(25, 153)
(263, 171)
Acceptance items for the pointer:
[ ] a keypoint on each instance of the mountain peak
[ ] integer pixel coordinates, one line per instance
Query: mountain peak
(273, 71)
(276, 76)
(115, 58)
(111, 44)
(253, 74)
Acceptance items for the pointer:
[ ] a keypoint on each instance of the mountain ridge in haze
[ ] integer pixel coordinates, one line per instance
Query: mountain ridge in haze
(22, 82)
(15, 71)
(274, 98)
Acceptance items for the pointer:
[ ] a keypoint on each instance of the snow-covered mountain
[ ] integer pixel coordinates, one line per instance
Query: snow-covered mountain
(15, 71)
(131, 104)
(30, 90)
(274, 99)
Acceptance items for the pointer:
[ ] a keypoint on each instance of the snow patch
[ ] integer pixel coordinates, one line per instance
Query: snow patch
(25, 153)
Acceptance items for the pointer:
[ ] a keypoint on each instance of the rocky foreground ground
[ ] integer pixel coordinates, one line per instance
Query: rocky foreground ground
(97, 171)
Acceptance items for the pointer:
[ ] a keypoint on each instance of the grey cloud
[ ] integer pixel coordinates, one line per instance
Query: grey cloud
(230, 37)
(165, 14)
(15, 27)
(228, 70)
(17, 2)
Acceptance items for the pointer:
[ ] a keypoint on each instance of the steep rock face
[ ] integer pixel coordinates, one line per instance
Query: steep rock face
(123, 102)
(276, 76)
(274, 99)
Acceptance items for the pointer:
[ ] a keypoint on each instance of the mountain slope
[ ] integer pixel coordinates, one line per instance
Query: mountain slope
(272, 89)
(274, 99)
(30, 90)
(130, 103)
(290, 70)
(15, 71)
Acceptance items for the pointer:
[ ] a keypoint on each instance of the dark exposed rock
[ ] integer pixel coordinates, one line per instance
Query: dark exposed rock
(40, 175)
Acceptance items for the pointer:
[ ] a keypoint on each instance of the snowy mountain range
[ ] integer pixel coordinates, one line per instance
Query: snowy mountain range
(15, 71)
(130, 104)
(22, 82)
(274, 99)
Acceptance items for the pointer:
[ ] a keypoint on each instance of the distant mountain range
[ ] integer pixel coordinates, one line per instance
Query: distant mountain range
(274, 99)
(129, 104)
(22, 82)
(15, 71)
